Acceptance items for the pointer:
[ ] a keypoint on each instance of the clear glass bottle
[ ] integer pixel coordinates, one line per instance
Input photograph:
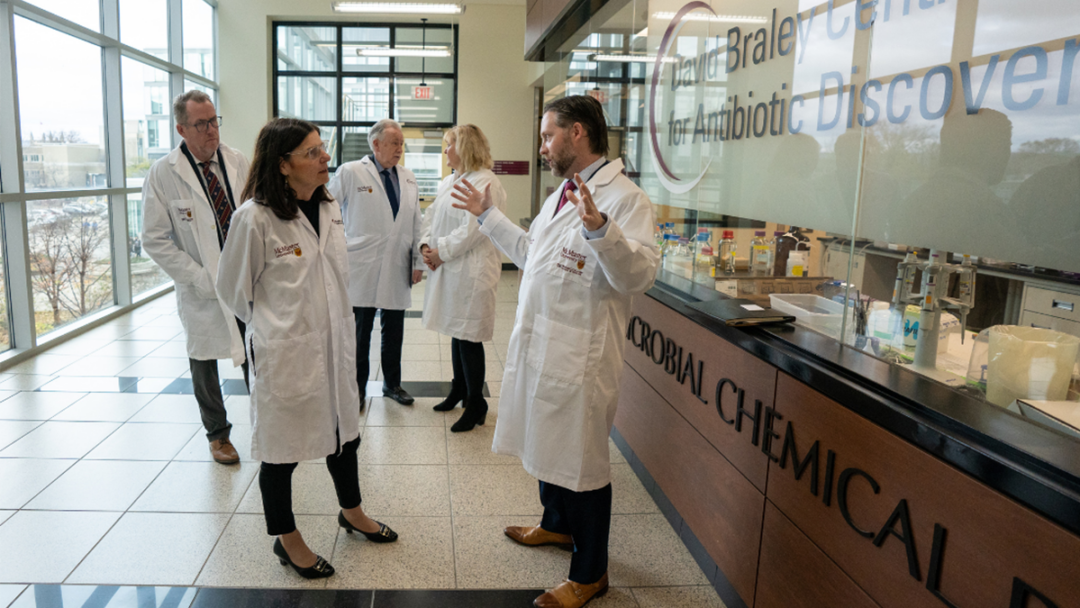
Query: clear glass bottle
(701, 240)
(725, 262)
(706, 262)
(658, 236)
(760, 255)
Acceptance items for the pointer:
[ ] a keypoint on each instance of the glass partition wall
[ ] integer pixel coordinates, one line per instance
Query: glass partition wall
(79, 136)
(903, 177)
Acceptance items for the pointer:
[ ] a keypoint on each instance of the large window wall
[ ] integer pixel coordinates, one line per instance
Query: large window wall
(85, 109)
(321, 75)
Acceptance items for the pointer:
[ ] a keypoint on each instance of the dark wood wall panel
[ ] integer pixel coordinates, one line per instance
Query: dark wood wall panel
(720, 359)
(720, 505)
(990, 541)
(796, 574)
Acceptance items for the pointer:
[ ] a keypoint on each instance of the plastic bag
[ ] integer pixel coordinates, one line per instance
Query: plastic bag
(1023, 362)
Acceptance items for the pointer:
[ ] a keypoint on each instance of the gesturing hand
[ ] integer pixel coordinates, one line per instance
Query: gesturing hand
(587, 211)
(474, 200)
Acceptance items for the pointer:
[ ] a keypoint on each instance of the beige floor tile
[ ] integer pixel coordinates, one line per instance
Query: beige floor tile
(701, 596)
(403, 445)
(616, 455)
(24, 382)
(226, 370)
(144, 441)
(483, 490)
(98, 366)
(312, 493)
(387, 412)
(12, 430)
(36, 406)
(60, 440)
(616, 597)
(98, 485)
(80, 346)
(628, 495)
(173, 348)
(105, 407)
(198, 487)
(238, 409)
(421, 558)
(8, 593)
(170, 408)
(152, 549)
(474, 447)
(646, 552)
(487, 559)
(421, 352)
(244, 555)
(495, 388)
(157, 367)
(405, 490)
(154, 333)
(198, 449)
(418, 336)
(128, 348)
(425, 371)
(23, 478)
(43, 364)
(45, 546)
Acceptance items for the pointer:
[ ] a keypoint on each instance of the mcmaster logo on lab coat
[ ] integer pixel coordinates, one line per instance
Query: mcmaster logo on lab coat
(575, 258)
(285, 250)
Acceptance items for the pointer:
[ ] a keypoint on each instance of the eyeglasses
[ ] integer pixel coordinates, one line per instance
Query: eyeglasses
(203, 125)
(311, 153)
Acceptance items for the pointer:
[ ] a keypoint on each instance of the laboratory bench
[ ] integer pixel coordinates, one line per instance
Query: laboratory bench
(802, 472)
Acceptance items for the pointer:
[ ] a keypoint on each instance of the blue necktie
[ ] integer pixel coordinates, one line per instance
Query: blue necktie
(391, 193)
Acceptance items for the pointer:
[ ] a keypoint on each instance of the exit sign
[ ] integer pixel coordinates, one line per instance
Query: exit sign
(422, 93)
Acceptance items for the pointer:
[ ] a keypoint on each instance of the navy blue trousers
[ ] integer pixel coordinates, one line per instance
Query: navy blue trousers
(393, 333)
(586, 516)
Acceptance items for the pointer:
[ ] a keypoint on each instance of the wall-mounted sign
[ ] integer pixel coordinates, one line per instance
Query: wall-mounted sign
(424, 93)
(511, 167)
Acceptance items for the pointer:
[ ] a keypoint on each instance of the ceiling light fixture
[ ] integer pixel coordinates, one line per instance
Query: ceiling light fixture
(629, 58)
(713, 18)
(400, 8)
(385, 52)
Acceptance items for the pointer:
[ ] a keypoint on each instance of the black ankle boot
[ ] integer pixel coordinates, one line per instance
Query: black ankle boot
(457, 394)
(475, 414)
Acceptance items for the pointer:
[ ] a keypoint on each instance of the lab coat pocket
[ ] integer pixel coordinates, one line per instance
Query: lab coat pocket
(293, 367)
(558, 352)
(183, 220)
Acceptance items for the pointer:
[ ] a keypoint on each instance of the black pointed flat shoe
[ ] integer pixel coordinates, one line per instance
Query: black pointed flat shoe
(384, 535)
(321, 569)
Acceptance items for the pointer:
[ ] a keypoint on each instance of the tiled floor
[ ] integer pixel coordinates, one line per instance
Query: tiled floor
(106, 481)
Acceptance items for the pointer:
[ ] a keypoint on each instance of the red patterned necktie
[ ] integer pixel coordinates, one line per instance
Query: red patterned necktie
(571, 186)
(222, 208)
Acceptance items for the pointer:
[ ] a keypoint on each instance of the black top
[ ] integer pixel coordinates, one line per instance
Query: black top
(311, 210)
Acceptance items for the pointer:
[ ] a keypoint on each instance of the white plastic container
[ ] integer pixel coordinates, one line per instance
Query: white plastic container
(815, 312)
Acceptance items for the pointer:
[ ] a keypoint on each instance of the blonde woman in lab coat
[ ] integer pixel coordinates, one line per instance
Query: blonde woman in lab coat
(464, 269)
(283, 272)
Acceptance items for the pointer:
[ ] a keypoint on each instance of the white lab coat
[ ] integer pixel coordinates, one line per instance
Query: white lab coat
(561, 383)
(289, 286)
(180, 235)
(382, 250)
(460, 297)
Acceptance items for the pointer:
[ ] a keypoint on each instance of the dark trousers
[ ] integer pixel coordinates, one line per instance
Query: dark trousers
(469, 367)
(275, 482)
(393, 333)
(586, 516)
(207, 385)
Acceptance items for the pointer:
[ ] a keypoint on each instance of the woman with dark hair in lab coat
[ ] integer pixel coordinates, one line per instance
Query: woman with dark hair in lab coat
(283, 272)
(464, 269)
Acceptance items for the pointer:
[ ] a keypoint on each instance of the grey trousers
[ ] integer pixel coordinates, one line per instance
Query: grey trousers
(207, 385)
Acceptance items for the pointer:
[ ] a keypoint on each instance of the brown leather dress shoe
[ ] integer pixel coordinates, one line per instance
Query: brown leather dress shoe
(534, 537)
(223, 451)
(572, 595)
